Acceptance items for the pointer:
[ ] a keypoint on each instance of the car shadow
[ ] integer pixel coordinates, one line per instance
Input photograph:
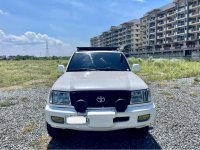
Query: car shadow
(122, 139)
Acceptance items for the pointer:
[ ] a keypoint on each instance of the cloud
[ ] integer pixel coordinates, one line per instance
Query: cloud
(31, 43)
(3, 12)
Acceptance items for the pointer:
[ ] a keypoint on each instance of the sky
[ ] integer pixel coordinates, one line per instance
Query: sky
(27, 25)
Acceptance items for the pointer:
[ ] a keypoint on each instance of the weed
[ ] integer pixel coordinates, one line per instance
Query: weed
(24, 99)
(29, 127)
(41, 142)
(10, 98)
(6, 104)
(168, 95)
(193, 94)
(176, 86)
(162, 84)
(196, 81)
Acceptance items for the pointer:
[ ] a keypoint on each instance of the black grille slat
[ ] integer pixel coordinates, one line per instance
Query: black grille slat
(91, 96)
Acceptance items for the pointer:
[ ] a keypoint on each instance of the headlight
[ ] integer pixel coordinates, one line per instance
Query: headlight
(140, 96)
(59, 98)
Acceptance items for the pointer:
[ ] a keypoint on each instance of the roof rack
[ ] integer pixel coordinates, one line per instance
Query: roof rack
(97, 49)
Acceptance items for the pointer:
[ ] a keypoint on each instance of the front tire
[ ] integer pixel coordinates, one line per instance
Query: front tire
(55, 132)
(141, 132)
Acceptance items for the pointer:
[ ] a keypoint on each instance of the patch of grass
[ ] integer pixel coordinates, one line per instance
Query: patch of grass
(29, 127)
(10, 98)
(24, 99)
(162, 84)
(164, 69)
(41, 142)
(28, 73)
(196, 80)
(168, 95)
(176, 86)
(6, 104)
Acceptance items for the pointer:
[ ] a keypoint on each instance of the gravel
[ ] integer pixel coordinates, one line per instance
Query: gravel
(177, 125)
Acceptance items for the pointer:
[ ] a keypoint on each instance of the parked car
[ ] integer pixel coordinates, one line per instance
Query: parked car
(98, 92)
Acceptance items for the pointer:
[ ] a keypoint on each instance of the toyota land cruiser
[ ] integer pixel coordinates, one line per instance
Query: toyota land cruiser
(98, 92)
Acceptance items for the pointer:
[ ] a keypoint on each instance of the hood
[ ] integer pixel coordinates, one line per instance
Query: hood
(97, 80)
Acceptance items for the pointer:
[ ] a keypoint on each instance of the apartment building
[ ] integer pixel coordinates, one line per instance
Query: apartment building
(126, 35)
(174, 28)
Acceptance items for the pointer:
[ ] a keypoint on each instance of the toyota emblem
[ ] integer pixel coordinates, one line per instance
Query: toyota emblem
(101, 99)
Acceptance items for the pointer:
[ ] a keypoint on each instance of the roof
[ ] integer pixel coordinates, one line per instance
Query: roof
(97, 49)
(168, 6)
(161, 9)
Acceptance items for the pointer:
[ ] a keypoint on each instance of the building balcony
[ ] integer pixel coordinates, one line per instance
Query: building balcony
(180, 32)
(152, 32)
(161, 23)
(151, 20)
(160, 37)
(194, 30)
(161, 17)
(171, 14)
(160, 43)
(194, 14)
(192, 38)
(194, 22)
(194, 6)
(180, 39)
(171, 28)
(181, 24)
(152, 26)
(181, 17)
(151, 38)
(160, 30)
(168, 41)
(182, 9)
(171, 20)
(170, 35)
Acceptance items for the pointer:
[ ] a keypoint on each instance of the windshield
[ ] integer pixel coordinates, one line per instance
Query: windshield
(98, 61)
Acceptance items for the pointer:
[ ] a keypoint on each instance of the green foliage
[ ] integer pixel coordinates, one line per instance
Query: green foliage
(5, 104)
(44, 72)
(165, 69)
(28, 72)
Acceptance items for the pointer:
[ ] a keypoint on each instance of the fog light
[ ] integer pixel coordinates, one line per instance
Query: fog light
(143, 118)
(57, 119)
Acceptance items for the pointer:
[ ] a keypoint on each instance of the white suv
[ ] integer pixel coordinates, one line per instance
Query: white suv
(98, 92)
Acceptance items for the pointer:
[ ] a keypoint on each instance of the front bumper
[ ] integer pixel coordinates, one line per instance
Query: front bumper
(102, 119)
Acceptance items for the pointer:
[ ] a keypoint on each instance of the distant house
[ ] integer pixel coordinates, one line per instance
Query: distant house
(11, 57)
(2, 57)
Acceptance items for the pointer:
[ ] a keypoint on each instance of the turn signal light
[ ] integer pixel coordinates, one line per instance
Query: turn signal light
(57, 119)
(143, 118)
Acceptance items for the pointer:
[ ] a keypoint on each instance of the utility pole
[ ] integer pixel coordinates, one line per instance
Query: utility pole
(47, 48)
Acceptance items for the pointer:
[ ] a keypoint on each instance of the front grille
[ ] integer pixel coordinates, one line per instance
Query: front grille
(91, 97)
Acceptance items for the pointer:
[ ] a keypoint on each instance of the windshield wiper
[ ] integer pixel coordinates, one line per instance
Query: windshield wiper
(84, 69)
(109, 69)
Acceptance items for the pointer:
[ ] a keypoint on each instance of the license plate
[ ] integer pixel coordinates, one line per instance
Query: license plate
(77, 120)
(100, 119)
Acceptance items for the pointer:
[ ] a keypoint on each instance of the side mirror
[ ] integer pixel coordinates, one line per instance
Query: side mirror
(61, 68)
(136, 67)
